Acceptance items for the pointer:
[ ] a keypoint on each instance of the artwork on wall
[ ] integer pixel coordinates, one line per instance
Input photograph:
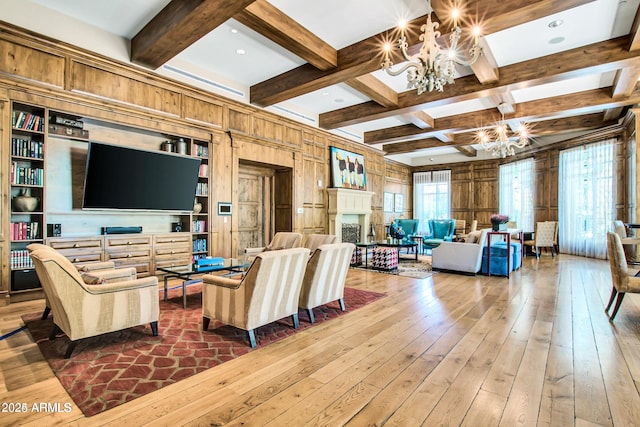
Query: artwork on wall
(399, 202)
(388, 202)
(347, 169)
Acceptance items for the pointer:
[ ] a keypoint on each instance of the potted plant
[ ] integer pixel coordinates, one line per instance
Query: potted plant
(499, 221)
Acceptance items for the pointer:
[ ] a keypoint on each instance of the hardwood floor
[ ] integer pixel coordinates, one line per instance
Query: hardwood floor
(535, 349)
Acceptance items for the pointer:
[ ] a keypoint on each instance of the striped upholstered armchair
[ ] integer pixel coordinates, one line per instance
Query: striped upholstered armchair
(82, 310)
(325, 276)
(268, 291)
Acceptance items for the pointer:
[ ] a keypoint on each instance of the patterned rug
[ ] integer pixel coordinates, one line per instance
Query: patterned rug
(114, 368)
(420, 269)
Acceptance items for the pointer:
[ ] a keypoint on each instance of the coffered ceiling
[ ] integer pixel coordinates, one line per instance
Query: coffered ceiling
(318, 62)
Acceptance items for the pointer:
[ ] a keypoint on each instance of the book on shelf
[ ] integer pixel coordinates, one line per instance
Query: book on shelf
(22, 230)
(20, 259)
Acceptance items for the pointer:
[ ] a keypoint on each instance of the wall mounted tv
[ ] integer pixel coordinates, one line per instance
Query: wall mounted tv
(119, 177)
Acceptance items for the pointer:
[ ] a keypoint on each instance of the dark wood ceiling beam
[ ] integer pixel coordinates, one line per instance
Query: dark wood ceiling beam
(486, 67)
(372, 87)
(467, 151)
(542, 128)
(357, 59)
(548, 108)
(269, 21)
(634, 43)
(625, 81)
(420, 119)
(596, 58)
(178, 26)
(613, 113)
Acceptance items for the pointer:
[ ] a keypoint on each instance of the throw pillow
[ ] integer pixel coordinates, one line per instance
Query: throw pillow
(91, 279)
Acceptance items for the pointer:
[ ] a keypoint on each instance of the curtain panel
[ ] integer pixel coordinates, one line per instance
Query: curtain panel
(586, 205)
(431, 197)
(516, 190)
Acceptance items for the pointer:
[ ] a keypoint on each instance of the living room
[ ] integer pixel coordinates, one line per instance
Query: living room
(125, 105)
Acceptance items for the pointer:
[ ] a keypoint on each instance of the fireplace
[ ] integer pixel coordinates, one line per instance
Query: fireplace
(348, 206)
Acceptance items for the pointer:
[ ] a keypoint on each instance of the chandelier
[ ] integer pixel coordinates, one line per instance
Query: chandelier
(434, 66)
(499, 142)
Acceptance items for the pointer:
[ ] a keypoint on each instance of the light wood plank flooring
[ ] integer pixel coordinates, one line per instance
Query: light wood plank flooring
(535, 349)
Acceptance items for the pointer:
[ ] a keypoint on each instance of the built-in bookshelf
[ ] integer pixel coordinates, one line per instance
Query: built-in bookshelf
(200, 218)
(27, 181)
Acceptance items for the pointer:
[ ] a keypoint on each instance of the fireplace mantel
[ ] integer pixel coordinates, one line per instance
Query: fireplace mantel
(349, 206)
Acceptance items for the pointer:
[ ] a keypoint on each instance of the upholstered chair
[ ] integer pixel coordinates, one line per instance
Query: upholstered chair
(628, 243)
(325, 275)
(91, 272)
(281, 240)
(622, 282)
(85, 310)
(410, 228)
(440, 230)
(543, 237)
(312, 241)
(269, 291)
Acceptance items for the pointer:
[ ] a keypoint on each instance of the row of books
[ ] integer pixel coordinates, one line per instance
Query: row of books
(20, 259)
(199, 150)
(202, 189)
(23, 230)
(199, 226)
(28, 121)
(26, 175)
(196, 257)
(204, 170)
(199, 245)
(27, 148)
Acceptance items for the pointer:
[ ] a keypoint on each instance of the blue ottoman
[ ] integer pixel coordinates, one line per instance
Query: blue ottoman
(498, 265)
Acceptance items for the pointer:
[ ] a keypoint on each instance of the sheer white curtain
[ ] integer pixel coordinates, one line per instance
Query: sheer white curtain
(586, 198)
(516, 192)
(431, 197)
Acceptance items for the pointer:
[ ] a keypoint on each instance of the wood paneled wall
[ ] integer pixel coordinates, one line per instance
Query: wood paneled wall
(39, 71)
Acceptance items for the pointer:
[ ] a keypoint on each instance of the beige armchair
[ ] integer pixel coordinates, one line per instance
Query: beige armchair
(628, 243)
(544, 236)
(281, 240)
(622, 282)
(268, 291)
(312, 241)
(100, 271)
(82, 310)
(325, 276)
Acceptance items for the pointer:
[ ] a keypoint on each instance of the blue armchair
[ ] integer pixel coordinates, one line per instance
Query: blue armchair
(440, 230)
(410, 228)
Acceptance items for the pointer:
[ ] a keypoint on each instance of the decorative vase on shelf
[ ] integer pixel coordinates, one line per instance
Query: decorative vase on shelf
(495, 226)
(25, 202)
(197, 206)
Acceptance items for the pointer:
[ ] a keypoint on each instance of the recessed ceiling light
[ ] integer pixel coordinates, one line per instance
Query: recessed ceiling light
(338, 100)
(555, 23)
(556, 40)
(325, 93)
(241, 51)
(234, 31)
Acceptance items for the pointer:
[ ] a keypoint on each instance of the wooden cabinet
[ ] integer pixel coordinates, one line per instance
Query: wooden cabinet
(130, 250)
(171, 250)
(79, 250)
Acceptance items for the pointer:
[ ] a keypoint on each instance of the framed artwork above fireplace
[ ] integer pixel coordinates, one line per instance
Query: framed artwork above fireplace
(347, 169)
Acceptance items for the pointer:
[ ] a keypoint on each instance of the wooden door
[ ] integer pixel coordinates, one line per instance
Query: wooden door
(254, 206)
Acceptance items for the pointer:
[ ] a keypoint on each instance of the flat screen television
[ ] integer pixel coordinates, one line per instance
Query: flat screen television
(119, 177)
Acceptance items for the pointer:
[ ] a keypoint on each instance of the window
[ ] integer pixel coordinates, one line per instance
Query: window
(516, 192)
(432, 197)
(586, 206)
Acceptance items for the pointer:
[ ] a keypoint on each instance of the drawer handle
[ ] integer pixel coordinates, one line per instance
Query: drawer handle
(172, 240)
(173, 252)
(128, 243)
(129, 255)
(76, 245)
(76, 260)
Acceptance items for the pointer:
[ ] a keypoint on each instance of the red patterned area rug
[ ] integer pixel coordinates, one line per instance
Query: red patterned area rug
(114, 368)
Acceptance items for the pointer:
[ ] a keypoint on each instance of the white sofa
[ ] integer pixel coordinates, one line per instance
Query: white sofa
(460, 257)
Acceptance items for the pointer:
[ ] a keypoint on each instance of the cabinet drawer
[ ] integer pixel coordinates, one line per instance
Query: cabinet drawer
(82, 257)
(174, 250)
(130, 252)
(62, 244)
(172, 262)
(172, 238)
(127, 240)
